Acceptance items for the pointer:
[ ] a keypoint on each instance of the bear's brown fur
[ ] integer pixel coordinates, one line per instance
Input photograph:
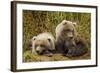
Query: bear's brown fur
(68, 41)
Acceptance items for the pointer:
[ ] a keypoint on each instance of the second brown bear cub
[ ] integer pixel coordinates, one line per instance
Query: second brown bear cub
(68, 41)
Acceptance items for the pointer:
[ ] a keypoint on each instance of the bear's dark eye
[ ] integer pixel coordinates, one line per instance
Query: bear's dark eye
(49, 40)
(68, 30)
(42, 45)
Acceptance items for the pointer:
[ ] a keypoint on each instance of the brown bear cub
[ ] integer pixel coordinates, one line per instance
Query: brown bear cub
(68, 41)
(43, 44)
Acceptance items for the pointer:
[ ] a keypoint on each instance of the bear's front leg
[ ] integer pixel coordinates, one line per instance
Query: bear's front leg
(48, 53)
(70, 48)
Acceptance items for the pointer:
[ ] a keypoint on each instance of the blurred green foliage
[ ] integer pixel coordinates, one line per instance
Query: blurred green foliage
(35, 22)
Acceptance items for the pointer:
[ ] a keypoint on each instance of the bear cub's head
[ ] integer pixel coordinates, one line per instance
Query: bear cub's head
(43, 44)
(66, 29)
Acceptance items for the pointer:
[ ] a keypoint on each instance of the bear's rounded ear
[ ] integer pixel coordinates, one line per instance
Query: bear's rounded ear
(74, 23)
(34, 38)
(64, 22)
(31, 40)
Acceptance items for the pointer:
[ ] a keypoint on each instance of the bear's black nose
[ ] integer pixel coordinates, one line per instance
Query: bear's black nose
(37, 51)
(71, 37)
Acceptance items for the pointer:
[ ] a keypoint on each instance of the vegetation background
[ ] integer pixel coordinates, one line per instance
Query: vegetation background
(36, 22)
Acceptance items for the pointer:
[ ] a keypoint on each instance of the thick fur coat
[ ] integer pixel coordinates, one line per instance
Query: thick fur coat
(68, 41)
